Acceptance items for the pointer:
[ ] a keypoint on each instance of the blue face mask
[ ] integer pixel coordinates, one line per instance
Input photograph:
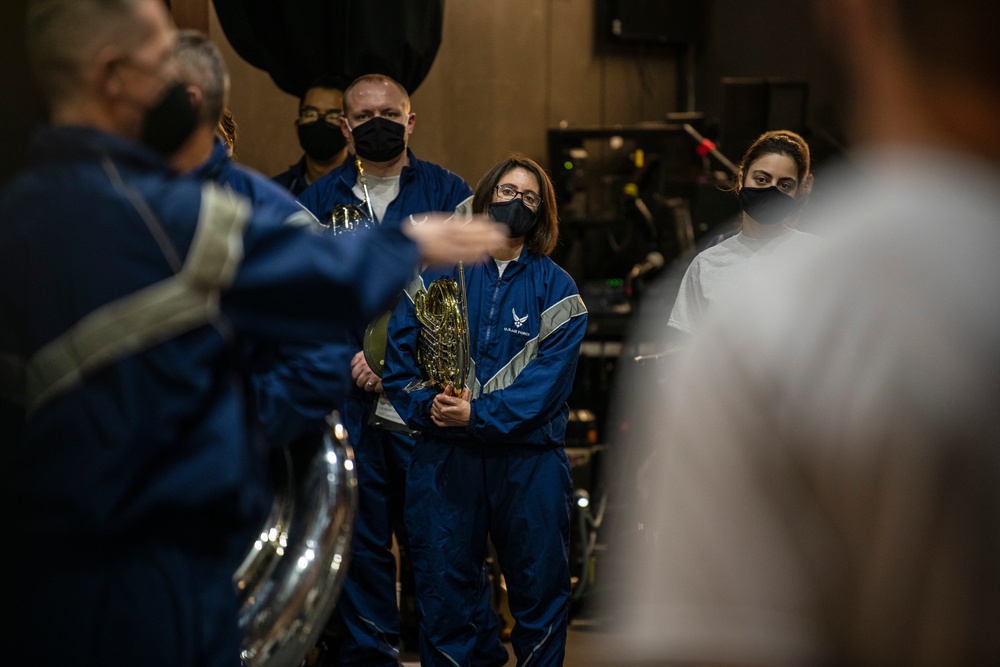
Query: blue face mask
(768, 206)
(518, 217)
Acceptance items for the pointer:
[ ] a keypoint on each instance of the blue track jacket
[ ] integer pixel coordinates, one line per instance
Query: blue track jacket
(295, 386)
(125, 294)
(423, 186)
(526, 328)
(294, 178)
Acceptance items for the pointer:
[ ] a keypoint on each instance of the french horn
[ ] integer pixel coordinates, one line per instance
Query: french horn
(289, 581)
(351, 217)
(443, 340)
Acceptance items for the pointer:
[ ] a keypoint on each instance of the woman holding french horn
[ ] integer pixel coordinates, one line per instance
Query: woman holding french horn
(489, 460)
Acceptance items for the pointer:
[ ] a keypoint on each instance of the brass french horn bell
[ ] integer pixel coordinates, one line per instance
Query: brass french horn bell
(350, 217)
(443, 350)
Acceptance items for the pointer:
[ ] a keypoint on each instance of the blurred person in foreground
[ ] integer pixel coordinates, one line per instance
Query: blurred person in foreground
(295, 386)
(824, 484)
(127, 452)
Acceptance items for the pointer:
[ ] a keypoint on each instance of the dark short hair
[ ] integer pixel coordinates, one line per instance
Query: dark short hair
(542, 238)
(323, 82)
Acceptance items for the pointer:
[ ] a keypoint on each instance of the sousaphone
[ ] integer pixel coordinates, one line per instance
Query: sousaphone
(289, 581)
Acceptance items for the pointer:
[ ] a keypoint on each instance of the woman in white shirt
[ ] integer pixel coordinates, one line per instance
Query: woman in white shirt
(773, 180)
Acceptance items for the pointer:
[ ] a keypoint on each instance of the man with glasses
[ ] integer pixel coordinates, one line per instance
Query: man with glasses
(399, 189)
(126, 445)
(318, 126)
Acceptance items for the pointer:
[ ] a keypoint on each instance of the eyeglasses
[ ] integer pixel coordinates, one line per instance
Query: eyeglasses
(312, 114)
(506, 192)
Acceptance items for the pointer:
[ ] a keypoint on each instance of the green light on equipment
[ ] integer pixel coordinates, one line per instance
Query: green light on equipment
(614, 282)
(567, 165)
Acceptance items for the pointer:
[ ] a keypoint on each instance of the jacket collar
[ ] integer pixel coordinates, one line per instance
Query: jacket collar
(516, 265)
(212, 168)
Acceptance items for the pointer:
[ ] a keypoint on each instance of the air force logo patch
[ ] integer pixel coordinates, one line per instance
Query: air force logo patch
(518, 323)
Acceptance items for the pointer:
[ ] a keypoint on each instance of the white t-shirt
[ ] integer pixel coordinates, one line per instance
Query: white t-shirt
(382, 191)
(502, 264)
(822, 477)
(717, 270)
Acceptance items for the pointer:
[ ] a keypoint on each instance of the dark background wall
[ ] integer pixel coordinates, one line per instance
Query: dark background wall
(20, 107)
(507, 72)
(778, 40)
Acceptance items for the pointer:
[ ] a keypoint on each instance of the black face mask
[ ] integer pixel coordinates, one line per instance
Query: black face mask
(170, 121)
(379, 139)
(518, 217)
(768, 206)
(321, 140)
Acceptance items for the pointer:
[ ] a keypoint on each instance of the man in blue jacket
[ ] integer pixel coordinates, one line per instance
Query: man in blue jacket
(394, 188)
(295, 385)
(125, 294)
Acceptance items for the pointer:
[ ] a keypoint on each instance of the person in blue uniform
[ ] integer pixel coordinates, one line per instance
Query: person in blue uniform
(125, 292)
(489, 462)
(377, 123)
(318, 129)
(295, 386)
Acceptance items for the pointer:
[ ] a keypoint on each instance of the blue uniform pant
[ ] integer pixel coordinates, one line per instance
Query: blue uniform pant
(367, 606)
(457, 496)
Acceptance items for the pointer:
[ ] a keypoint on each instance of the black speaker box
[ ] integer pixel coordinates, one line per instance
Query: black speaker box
(623, 23)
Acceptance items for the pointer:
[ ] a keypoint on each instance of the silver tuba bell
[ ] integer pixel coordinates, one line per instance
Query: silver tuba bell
(289, 581)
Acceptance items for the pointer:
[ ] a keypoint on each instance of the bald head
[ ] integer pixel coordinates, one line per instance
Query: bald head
(64, 37)
(374, 80)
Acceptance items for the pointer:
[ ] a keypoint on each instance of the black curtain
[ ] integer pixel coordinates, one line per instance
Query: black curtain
(298, 41)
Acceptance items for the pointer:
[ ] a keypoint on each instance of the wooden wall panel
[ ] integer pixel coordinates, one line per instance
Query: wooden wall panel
(265, 113)
(486, 94)
(504, 74)
(576, 74)
(191, 14)
(638, 89)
